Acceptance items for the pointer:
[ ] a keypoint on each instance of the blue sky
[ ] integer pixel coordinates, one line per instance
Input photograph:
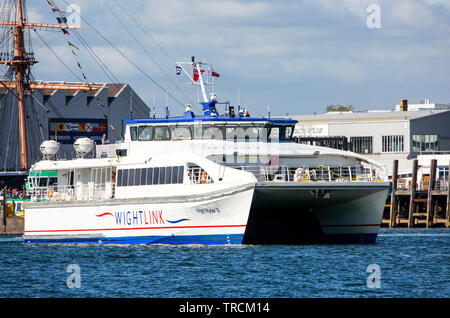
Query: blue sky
(295, 57)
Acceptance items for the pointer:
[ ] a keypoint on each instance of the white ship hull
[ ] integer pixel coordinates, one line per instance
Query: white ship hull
(214, 218)
(326, 212)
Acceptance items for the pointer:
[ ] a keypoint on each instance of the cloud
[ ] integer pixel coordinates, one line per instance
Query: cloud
(209, 13)
(267, 49)
(356, 8)
(412, 13)
(327, 69)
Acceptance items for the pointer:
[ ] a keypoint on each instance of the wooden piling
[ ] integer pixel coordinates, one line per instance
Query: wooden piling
(394, 209)
(448, 199)
(428, 207)
(431, 187)
(413, 193)
(4, 208)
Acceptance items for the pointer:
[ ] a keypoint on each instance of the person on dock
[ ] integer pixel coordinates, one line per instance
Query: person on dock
(105, 140)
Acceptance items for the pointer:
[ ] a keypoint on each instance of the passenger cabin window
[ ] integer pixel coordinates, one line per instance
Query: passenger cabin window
(52, 181)
(145, 133)
(180, 132)
(119, 178)
(125, 177)
(131, 177)
(162, 133)
(150, 176)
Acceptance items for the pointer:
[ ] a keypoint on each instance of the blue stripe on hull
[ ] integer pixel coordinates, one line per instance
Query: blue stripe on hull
(210, 240)
(218, 239)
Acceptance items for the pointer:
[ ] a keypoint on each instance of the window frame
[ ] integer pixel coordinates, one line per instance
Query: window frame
(161, 139)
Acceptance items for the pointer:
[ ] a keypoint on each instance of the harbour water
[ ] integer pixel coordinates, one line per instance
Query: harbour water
(404, 263)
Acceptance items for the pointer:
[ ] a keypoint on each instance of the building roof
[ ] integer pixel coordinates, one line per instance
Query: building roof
(382, 115)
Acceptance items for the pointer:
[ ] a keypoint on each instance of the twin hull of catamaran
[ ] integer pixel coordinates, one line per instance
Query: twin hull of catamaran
(183, 198)
(250, 214)
(210, 179)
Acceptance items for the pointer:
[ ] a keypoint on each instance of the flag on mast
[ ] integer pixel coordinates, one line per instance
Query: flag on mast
(70, 43)
(178, 70)
(214, 73)
(196, 76)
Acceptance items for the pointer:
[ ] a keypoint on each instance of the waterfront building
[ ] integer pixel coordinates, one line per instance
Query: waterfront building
(404, 133)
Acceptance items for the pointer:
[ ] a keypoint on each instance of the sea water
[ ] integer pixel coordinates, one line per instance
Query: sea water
(403, 263)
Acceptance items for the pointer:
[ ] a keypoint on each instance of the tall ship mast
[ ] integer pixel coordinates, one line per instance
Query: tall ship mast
(19, 62)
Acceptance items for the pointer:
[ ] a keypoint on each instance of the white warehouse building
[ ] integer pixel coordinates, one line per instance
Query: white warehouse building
(402, 134)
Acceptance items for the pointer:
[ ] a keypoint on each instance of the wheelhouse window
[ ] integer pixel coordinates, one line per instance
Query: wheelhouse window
(212, 132)
(244, 132)
(230, 132)
(180, 132)
(145, 133)
(133, 133)
(287, 133)
(274, 133)
(251, 132)
(162, 133)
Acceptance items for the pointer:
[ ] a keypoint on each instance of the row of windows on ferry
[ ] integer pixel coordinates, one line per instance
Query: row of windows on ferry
(364, 144)
(150, 176)
(228, 132)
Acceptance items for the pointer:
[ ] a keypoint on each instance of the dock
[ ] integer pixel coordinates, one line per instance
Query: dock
(415, 202)
(10, 224)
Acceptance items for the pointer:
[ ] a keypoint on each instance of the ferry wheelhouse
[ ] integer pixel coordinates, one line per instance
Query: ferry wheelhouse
(222, 177)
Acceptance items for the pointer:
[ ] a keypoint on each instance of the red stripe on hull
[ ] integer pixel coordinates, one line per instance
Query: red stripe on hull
(139, 228)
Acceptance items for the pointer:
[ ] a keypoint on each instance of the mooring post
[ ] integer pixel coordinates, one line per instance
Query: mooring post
(394, 209)
(431, 182)
(413, 193)
(448, 198)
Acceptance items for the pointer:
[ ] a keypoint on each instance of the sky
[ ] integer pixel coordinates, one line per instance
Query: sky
(289, 56)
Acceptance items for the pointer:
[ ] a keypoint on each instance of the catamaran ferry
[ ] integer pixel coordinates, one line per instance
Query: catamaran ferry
(215, 178)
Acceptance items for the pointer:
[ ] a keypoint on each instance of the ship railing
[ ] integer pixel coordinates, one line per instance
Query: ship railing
(422, 185)
(307, 174)
(89, 191)
(106, 150)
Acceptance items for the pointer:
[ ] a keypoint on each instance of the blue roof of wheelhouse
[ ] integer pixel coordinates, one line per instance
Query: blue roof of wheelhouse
(210, 119)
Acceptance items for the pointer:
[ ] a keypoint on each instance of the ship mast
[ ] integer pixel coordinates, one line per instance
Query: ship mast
(21, 63)
(21, 66)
